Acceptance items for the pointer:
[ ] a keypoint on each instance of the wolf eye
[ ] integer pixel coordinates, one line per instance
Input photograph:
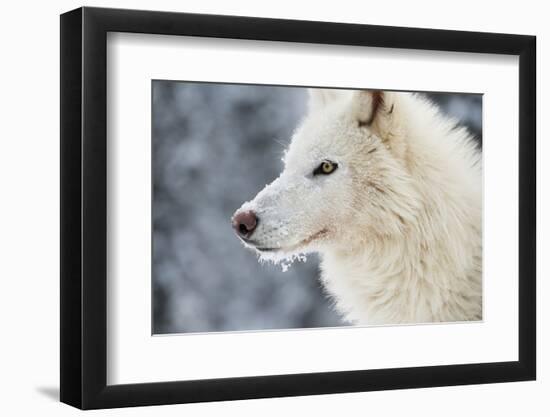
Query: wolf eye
(325, 168)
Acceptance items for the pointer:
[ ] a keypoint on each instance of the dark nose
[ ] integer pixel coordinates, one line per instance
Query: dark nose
(244, 223)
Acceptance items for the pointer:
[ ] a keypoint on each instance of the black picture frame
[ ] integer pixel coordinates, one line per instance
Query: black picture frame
(84, 207)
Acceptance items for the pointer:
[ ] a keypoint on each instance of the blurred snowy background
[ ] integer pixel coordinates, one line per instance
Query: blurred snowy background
(214, 147)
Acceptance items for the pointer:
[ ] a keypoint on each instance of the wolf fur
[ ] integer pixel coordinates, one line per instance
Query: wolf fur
(397, 224)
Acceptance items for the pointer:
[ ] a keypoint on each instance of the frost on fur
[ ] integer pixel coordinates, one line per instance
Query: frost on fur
(396, 218)
(285, 261)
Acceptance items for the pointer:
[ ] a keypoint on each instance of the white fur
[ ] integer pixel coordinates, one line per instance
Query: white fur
(398, 224)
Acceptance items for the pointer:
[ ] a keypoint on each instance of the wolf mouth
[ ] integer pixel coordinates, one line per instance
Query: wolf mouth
(292, 248)
(255, 244)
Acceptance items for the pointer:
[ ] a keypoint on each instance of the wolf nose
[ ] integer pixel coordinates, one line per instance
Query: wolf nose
(244, 223)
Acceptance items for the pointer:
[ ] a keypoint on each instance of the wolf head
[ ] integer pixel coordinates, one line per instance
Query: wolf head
(345, 178)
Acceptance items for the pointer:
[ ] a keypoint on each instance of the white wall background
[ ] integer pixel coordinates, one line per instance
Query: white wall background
(29, 210)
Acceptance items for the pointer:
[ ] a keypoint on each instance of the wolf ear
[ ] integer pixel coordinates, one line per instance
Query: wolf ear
(368, 104)
(378, 110)
(320, 97)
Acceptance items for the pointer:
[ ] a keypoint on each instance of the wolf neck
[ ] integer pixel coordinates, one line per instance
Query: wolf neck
(430, 273)
(405, 280)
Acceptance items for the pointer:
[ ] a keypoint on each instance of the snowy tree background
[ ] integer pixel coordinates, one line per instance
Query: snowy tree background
(214, 147)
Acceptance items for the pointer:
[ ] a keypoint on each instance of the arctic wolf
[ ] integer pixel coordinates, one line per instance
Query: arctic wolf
(388, 191)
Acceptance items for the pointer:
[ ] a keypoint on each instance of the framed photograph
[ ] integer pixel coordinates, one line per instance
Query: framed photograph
(258, 208)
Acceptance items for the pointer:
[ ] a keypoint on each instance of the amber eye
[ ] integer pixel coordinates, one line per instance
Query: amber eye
(325, 168)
